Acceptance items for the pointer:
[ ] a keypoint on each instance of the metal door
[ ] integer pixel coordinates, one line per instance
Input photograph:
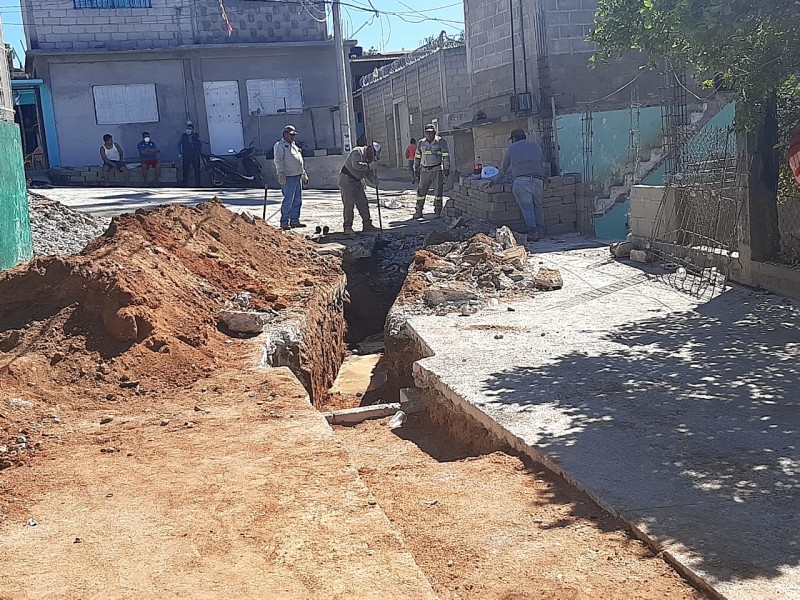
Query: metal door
(224, 115)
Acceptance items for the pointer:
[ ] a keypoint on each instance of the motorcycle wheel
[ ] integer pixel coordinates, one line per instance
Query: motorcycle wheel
(217, 177)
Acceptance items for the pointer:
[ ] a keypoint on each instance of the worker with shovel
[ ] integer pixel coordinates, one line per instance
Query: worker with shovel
(357, 168)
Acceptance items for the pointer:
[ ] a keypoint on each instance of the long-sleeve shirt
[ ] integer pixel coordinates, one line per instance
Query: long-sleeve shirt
(288, 159)
(522, 159)
(189, 145)
(357, 166)
(432, 154)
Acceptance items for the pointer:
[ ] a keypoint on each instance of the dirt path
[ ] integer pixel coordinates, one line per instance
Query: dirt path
(490, 527)
(255, 499)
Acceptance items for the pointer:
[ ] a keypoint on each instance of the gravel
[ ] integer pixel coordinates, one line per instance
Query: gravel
(57, 229)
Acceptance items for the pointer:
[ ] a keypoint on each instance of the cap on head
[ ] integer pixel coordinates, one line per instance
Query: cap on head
(518, 134)
(290, 129)
(430, 127)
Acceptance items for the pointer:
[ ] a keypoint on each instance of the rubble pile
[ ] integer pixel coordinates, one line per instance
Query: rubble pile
(56, 229)
(466, 273)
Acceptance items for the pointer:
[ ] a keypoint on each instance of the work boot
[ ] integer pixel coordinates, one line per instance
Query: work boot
(533, 235)
(348, 229)
(285, 226)
(298, 225)
(368, 226)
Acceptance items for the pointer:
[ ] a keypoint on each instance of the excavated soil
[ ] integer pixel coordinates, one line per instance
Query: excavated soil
(483, 524)
(134, 315)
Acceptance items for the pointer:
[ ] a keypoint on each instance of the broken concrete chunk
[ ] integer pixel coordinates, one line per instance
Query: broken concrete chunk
(453, 292)
(505, 237)
(517, 256)
(639, 256)
(548, 279)
(240, 321)
(621, 249)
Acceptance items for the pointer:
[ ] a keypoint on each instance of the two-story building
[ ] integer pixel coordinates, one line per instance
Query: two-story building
(239, 74)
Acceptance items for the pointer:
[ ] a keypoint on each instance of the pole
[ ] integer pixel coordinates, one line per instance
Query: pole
(378, 198)
(345, 117)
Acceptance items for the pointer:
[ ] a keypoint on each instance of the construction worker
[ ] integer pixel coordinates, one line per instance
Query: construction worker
(431, 166)
(355, 170)
(523, 164)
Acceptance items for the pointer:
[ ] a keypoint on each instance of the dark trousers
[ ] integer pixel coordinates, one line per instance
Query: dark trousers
(191, 162)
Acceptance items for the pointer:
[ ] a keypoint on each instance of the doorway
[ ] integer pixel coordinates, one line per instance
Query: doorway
(402, 130)
(224, 116)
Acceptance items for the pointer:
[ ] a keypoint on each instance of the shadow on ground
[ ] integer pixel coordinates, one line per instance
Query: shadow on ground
(687, 422)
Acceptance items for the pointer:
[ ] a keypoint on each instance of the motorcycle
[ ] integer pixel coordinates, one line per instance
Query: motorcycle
(235, 168)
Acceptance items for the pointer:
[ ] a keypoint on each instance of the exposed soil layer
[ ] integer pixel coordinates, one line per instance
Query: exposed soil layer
(134, 315)
(488, 525)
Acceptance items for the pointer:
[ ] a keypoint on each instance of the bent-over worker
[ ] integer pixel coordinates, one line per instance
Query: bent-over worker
(356, 169)
(522, 163)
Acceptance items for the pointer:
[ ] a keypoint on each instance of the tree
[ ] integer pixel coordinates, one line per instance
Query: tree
(752, 46)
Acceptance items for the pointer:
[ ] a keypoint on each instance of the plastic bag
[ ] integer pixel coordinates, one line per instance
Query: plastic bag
(489, 172)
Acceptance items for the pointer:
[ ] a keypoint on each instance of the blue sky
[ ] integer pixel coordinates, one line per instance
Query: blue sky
(406, 29)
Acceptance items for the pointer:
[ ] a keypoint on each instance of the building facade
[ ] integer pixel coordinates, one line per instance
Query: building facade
(430, 85)
(239, 75)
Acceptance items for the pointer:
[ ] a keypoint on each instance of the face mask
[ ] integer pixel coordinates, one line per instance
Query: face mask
(189, 131)
(147, 140)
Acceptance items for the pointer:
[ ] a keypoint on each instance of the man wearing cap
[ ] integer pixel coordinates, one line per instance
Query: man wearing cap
(292, 177)
(356, 169)
(431, 166)
(522, 163)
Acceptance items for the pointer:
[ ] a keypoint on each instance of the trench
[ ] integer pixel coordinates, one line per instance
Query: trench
(481, 519)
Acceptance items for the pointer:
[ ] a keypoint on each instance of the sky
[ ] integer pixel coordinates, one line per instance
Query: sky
(403, 30)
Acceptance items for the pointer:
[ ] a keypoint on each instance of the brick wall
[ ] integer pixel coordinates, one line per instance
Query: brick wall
(563, 203)
(58, 25)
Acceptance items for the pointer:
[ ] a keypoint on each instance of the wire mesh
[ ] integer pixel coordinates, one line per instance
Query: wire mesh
(695, 239)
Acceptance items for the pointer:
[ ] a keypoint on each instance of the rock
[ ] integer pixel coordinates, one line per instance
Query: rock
(20, 403)
(505, 237)
(201, 409)
(243, 299)
(498, 336)
(504, 282)
(239, 321)
(121, 325)
(621, 249)
(516, 256)
(106, 419)
(638, 256)
(548, 279)
(109, 450)
(164, 422)
(452, 292)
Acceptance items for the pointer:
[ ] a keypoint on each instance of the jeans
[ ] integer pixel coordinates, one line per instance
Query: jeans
(292, 200)
(528, 192)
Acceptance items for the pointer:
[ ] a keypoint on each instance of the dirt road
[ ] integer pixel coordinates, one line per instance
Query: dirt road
(491, 527)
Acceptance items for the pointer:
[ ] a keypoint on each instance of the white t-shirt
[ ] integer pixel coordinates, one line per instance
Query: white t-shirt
(112, 153)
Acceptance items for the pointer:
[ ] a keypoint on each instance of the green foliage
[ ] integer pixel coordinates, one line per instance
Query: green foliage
(752, 46)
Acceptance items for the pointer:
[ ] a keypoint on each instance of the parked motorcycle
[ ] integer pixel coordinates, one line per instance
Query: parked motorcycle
(236, 168)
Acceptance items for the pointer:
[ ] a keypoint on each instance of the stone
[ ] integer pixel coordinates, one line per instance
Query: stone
(638, 256)
(164, 422)
(240, 321)
(106, 419)
(504, 282)
(548, 279)
(621, 249)
(20, 403)
(452, 292)
(505, 237)
(516, 256)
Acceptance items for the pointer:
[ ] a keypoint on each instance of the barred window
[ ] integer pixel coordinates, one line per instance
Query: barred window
(112, 3)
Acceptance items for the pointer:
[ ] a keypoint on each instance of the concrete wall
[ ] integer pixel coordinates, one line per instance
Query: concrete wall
(492, 140)
(437, 87)
(58, 25)
(15, 230)
(178, 77)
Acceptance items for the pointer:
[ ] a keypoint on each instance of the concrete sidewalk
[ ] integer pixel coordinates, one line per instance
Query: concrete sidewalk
(680, 416)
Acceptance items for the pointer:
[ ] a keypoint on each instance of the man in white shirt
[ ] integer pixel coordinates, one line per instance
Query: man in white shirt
(112, 154)
(292, 176)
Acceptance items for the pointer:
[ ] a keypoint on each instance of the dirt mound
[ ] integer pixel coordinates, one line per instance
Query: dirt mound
(135, 312)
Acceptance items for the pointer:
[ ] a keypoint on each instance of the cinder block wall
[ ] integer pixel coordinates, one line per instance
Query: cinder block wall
(58, 25)
(563, 204)
(653, 211)
(422, 86)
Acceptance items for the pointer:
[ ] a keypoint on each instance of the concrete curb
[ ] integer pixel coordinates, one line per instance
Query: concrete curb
(409, 403)
(427, 379)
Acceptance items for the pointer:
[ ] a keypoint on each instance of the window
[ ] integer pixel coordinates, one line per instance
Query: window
(120, 104)
(274, 96)
(112, 3)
